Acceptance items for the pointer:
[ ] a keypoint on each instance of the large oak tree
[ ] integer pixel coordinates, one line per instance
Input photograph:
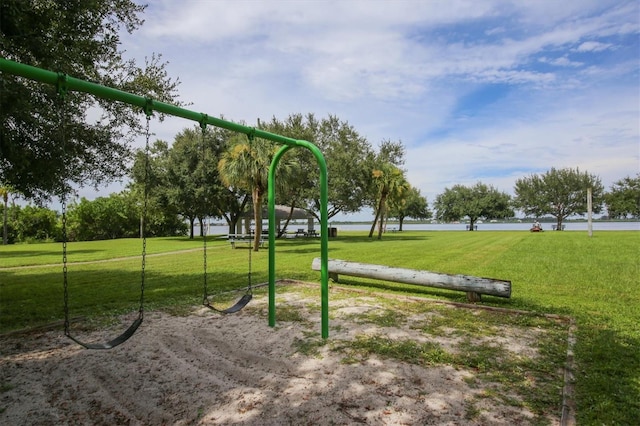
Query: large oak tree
(474, 202)
(80, 38)
(558, 192)
(347, 155)
(623, 200)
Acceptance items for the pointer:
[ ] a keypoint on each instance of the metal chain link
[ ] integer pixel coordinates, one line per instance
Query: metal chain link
(64, 267)
(144, 218)
(249, 289)
(205, 297)
(63, 202)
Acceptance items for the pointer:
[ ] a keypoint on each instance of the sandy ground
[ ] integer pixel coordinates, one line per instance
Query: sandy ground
(207, 369)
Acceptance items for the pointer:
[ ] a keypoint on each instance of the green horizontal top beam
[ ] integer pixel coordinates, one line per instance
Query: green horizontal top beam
(66, 83)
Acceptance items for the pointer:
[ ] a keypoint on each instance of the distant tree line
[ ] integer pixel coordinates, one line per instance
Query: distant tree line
(115, 216)
(558, 193)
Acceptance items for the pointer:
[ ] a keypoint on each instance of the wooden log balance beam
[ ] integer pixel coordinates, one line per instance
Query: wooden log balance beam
(474, 286)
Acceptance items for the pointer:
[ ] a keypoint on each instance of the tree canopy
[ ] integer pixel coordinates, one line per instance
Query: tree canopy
(81, 39)
(623, 200)
(559, 193)
(480, 201)
(346, 153)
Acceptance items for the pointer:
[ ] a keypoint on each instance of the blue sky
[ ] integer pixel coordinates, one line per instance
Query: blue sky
(485, 91)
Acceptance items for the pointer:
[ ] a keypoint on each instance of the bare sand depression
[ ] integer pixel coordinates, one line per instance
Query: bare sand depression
(209, 369)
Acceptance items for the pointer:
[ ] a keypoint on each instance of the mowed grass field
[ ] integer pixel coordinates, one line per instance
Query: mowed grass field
(595, 280)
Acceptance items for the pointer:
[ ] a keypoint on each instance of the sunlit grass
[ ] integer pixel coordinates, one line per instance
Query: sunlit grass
(595, 280)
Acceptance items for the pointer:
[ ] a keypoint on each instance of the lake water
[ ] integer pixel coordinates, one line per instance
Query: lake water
(524, 226)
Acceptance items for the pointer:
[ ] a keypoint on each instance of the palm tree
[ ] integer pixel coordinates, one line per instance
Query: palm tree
(246, 165)
(391, 183)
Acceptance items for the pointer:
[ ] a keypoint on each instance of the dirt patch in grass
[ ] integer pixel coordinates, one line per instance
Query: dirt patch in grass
(388, 360)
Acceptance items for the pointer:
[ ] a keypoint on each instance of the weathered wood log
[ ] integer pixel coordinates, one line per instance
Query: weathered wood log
(474, 286)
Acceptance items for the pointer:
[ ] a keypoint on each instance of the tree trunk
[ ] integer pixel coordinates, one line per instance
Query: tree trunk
(559, 224)
(5, 233)
(375, 220)
(373, 225)
(382, 214)
(467, 283)
(471, 224)
(191, 221)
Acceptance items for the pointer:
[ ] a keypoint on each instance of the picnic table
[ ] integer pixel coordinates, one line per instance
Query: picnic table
(301, 232)
(243, 238)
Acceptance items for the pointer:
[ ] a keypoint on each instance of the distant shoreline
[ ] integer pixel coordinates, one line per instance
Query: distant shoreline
(466, 222)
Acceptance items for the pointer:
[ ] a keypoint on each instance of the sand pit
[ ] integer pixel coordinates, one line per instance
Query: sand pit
(207, 369)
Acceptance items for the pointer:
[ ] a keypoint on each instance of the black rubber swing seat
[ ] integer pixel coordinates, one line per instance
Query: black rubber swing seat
(112, 343)
(244, 300)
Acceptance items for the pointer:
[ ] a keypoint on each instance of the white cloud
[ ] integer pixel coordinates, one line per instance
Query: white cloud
(593, 46)
(353, 50)
(244, 19)
(563, 61)
(402, 72)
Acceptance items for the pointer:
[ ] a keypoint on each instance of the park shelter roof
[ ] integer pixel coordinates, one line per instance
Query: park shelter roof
(282, 212)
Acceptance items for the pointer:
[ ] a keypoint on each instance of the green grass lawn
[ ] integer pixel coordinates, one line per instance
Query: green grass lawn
(594, 280)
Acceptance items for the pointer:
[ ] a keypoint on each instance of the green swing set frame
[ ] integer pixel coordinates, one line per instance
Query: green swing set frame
(67, 83)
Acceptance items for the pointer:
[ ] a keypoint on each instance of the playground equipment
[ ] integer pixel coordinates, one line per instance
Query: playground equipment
(474, 286)
(206, 299)
(134, 326)
(67, 83)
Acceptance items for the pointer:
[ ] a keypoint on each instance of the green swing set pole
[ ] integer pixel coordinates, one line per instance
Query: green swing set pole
(66, 83)
(324, 235)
